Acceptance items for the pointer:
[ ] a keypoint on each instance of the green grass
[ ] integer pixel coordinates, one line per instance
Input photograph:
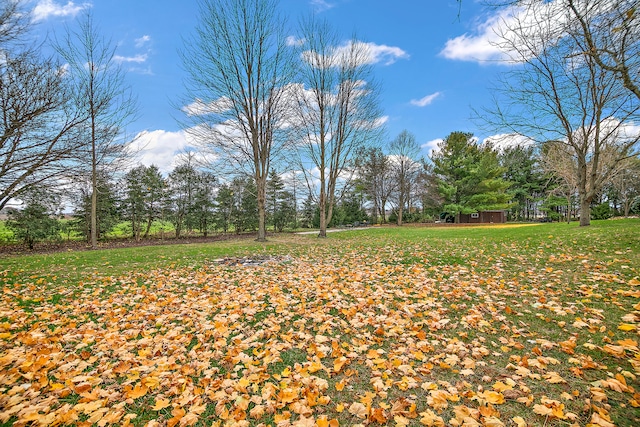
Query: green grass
(603, 238)
(496, 298)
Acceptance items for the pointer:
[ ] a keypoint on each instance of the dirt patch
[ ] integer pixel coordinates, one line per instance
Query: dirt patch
(252, 261)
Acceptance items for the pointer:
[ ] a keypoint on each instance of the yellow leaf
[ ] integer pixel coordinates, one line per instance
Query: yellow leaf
(288, 395)
(160, 404)
(492, 397)
(189, 419)
(493, 422)
(257, 411)
(430, 419)
(598, 420)
(5, 335)
(339, 363)
(358, 409)
(626, 327)
(500, 386)
(542, 410)
(554, 378)
(151, 382)
(401, 421)
(519, 421)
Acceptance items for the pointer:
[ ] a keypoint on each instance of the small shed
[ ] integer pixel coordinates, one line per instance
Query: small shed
(484, 217)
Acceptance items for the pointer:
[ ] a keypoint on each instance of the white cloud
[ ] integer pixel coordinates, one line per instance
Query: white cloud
(482, 44)
(49, 8)
(511, 34)
(138, 59)
(199, 107)
(322, 5)
(364, 52)
(507, 140)
(294, 41)
(383, 53)
(432, 145)
(423, 102)
(161, 148)
(140, 42)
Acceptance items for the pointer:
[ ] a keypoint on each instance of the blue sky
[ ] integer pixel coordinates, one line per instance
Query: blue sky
(433, 60)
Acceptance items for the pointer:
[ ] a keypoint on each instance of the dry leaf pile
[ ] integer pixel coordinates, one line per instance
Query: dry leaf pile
(334, 336)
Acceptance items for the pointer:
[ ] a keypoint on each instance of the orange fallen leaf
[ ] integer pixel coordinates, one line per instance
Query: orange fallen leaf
(160, 404)
(138, 391)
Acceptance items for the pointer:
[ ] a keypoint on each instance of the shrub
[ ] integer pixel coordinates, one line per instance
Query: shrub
(601, 211)
(33, 224)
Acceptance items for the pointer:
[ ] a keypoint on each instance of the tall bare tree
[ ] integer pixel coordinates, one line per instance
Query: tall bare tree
(13, 22)
(559, 161)
(611, 33)
(626, 184)
(239, 66)
(374, 173)
(405, 168)
(337, 111)
(102, 95)
(37, 117)
(557, 91)
(608, 30)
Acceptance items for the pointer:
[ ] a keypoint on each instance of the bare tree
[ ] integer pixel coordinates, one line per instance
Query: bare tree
(611, 34)
(555, 91)
(558, 159)
(102, 95)
(626, 183)
(337, 110)
(37, 118)
(239, 66)
(405, 168)
(13, 22)
(374, 172)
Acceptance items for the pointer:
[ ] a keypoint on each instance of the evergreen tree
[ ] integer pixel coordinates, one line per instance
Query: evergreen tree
(275, 187)
(144, 196)
(308, 213)
(528, 181)
(182, 182)
(470, 178)
(224, 208)
(36, 221)
(108, 215)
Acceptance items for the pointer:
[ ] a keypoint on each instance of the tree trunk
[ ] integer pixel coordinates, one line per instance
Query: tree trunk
(585, 211)
(146, 232)
(322, 205)
(94, 213)
(262, 223)
(94, 186)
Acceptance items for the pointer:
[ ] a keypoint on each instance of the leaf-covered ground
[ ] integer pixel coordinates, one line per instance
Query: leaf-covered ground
(374, 329)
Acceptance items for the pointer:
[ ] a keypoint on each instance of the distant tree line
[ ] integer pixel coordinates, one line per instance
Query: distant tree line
(392, 186)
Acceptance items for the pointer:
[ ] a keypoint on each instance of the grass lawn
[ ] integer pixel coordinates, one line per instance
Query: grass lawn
(499, 326)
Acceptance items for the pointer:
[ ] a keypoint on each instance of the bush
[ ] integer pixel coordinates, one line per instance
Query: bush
(33, 224)
(601, 211)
